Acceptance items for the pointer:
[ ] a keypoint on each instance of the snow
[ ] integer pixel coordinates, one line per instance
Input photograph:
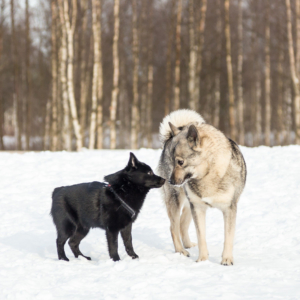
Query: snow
(266, 250)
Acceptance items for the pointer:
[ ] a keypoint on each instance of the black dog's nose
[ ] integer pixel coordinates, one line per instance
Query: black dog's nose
(162, 181)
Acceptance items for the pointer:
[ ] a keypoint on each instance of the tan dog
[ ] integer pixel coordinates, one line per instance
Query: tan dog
(205, 169)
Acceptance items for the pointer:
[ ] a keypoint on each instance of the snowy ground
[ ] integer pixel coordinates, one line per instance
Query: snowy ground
(266, 251)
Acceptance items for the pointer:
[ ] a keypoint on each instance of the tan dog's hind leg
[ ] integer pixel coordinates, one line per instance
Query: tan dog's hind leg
(173, 210)
(185, 220)
(229, 224)
(199, 214)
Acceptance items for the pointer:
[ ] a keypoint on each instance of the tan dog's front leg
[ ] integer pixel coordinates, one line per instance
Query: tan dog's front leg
(229, 223)
(199, 215)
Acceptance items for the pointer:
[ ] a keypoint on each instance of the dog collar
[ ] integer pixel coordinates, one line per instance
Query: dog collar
(123, 203)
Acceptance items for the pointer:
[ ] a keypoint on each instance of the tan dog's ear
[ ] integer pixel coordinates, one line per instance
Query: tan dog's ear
(193, 137)
(174, 129)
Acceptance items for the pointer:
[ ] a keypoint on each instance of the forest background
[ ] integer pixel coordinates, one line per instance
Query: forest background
(103, 73)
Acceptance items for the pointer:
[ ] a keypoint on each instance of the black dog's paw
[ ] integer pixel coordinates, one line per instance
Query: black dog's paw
(116, 258)
(134, 256)
(64, 258)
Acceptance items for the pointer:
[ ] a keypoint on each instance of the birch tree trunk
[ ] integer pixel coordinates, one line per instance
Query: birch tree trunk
(135, 118)
(54, 134)
(150, 79)
(193, 53)
(229, 72)
(66, 134)
(176, 104)
(16, 78)
(96, 11)
(100, 87)
(28, 79)
(70, 28)
(115, 90)
(196, 96)
(217, 96)
(143, 42)
(83, 72)
(169, 60)
(267, 78)
(294, 76)
(1, 77)
(297, 3)
(240, 76)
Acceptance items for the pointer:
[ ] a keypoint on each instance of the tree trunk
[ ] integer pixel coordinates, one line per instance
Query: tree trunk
(47, 126)
(240, 76)
(150, 79)
(100, 89)
(83, 71)
(267, 78)
(144, 72)
(196, 95)
(96, 13)
(70, 28)
(1, 78)
(66, 134)
(16, 99)
(54, 134)
(135, 118)
(193, 53)
(169, 60)
(297, 2)
(217, 96)
(229, 72)
(176, 104)
(115, 90)
(27, 80)
(295, 78)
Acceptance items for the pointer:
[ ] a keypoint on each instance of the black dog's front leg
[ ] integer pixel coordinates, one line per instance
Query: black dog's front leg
(127, 239)
(112, 242)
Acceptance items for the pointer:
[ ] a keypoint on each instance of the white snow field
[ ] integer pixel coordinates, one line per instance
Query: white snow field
(266, 250)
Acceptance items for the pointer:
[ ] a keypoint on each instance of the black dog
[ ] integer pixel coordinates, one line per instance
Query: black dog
(114, 207)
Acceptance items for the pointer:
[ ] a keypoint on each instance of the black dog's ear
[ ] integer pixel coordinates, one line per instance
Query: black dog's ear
(193, 137)
(174, 129)
(133, 161)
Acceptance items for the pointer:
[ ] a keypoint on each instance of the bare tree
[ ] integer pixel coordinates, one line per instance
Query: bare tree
(294, 76)
(54, 129)
(193, 54)
(196, 96)
(70, 28)
(176, 104)
(116, 71)
(135, 118)
(1, 75)
(229, 72)
(267, 78)
(16, 100)
(150, 78)
(84, 76)
(240, 76)
(66, 134)
(169, 60)
(96, 12)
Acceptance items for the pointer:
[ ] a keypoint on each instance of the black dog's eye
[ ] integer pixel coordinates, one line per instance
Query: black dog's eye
(150, 173)
(180, 162)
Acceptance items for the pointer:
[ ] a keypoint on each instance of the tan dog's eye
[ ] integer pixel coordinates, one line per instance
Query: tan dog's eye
(180, 162)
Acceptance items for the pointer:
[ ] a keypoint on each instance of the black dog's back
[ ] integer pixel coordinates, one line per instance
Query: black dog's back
(77, 208)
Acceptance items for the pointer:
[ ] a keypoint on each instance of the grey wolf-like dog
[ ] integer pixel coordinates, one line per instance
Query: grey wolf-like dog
(205, 169)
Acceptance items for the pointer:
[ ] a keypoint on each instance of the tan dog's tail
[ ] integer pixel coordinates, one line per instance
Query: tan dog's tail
(178, 118)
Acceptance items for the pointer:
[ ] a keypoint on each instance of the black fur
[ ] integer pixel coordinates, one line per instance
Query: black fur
(77, 208)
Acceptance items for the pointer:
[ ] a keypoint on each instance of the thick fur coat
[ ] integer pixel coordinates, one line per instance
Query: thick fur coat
(205, 169)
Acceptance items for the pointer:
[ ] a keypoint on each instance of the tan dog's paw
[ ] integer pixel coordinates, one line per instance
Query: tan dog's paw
(189, 245)
(184, 252)
(227, 261)
(202, 258)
